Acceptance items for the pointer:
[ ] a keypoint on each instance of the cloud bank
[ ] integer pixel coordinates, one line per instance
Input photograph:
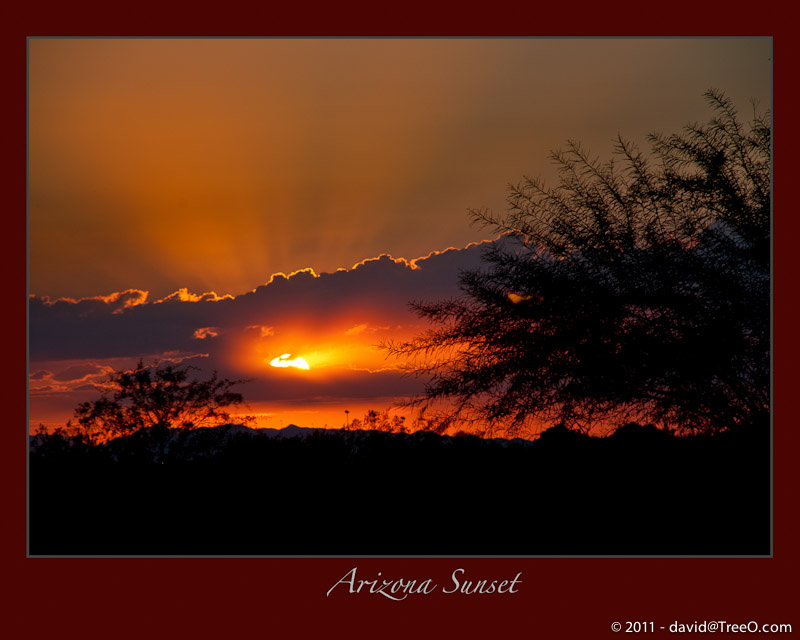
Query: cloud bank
(333, 320)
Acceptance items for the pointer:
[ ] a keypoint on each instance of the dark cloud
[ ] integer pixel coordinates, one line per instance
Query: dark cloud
(284, 387)
(88, 387)
(48, 389)
(115, 302)
(80, 372)
(376, 292)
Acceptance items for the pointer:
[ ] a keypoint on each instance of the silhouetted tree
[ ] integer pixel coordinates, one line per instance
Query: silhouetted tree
(380, 421)
(161, 397)
(635, 290)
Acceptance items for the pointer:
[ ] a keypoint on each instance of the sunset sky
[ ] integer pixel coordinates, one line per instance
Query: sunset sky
(173, 181)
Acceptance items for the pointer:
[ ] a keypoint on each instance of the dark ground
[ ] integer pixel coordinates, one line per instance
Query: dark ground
(639, 492)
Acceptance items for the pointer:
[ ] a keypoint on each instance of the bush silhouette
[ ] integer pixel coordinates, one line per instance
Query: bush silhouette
(159, 399)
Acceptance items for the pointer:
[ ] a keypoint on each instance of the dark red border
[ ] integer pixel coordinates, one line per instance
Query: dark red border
(235, 598)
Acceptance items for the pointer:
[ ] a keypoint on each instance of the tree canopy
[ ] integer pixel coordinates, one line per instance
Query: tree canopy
(162, 396)
(636, 289)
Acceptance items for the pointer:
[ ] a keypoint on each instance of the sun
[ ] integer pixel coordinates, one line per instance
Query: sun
(286, 360)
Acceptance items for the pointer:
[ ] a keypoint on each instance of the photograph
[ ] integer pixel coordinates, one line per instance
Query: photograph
(399, 297)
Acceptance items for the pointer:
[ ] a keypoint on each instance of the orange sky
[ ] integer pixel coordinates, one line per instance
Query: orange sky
(211, 164)
(207, 165)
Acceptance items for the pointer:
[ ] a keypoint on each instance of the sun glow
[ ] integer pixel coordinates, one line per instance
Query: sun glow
(286, 360)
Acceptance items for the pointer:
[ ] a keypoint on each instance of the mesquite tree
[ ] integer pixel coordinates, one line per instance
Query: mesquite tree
(162, 397)
(635, 289)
